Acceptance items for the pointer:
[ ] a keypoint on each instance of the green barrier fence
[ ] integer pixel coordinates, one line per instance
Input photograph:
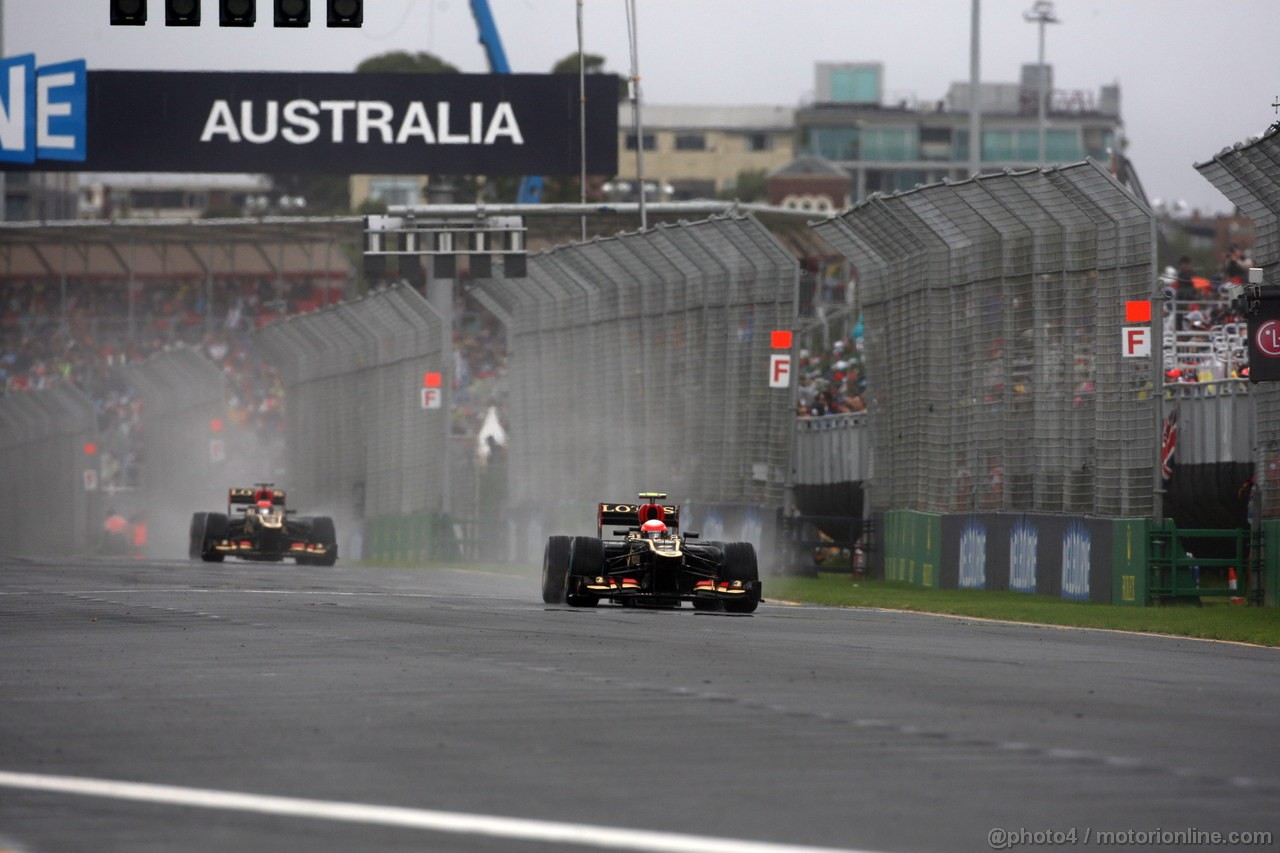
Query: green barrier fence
(1129, 552)
(418, 538)
(1174, 572)
(913, 547)
(1271, 562)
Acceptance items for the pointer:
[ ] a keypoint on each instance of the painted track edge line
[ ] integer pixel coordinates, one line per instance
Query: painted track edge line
(439, 821)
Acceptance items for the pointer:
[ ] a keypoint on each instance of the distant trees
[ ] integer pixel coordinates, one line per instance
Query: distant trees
(404, 62)
(749, 186)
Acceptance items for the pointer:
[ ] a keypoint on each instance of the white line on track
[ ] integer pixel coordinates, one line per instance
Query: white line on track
(437, 821)
(190, 590)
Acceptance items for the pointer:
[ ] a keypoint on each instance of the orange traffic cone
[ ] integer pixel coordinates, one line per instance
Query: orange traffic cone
(1231, 585)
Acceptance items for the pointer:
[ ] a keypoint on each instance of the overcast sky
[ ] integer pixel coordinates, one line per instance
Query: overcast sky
(1196, 76)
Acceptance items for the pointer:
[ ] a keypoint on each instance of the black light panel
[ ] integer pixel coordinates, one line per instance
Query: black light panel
(182, 13)
(237, 13)
(128, 13)
(293, 13)
(346, 13)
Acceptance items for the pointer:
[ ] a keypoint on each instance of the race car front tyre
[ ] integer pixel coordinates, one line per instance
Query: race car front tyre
(555, 568)
(740, 565)
(323, 532)
(215, 529)
(586, 560)
(195, 536)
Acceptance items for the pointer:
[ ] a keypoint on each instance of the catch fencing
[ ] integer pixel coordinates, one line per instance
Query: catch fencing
(641, 362)
(363, 439)
(993, 312)
(83, 459)
(48, 459)
(1249, 175)
(184, 444)
(183, 400)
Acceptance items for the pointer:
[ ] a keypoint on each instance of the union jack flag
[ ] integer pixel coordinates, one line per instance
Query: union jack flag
(1169, 443)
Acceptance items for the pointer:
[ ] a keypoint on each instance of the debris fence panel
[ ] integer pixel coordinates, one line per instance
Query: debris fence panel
(188, 444)
(641, 362)
(992, 310)
(1248, 174)
(51, 493)
(366, 432)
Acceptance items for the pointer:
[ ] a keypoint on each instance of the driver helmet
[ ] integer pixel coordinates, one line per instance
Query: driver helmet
(653, 529)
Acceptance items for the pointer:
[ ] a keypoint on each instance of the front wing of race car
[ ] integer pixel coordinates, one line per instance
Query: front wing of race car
(664, 573)
(271, 547)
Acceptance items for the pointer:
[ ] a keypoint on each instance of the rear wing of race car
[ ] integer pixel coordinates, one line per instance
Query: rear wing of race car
(245, 496)
(628, 515)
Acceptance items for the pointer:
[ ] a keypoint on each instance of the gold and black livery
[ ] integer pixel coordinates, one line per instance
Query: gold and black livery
(257, 526)
(647, 563)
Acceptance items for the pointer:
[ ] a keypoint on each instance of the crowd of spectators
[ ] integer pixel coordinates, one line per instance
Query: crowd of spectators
(1205, 326)
(1208, 331)
(479, 365)
(80, 334)
(83, 331)
(831, 379)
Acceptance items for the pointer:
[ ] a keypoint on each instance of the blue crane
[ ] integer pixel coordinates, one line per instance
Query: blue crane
(530, 191)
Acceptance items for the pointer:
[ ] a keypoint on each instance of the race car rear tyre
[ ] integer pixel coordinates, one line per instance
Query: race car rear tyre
(740, 565)
(215, 528)
(586, 560)
(322, 531)
(195, 536)
(555, 568)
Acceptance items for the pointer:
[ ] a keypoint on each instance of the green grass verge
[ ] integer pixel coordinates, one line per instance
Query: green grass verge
(1216, 620)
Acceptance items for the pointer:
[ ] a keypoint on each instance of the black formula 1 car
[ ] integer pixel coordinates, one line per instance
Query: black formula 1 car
(649, 562)
(256, 526)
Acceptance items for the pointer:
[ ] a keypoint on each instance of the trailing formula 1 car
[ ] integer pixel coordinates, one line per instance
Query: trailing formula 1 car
(649, 561)
(256, 526)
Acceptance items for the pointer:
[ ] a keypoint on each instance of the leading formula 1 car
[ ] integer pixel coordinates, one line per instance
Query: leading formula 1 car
(652, 563)
(256, 526)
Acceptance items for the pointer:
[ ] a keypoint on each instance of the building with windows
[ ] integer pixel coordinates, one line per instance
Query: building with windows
(809, 183)
(166, 195)
(696, 152)
(45, 196)
(889, 144)
(388, 189)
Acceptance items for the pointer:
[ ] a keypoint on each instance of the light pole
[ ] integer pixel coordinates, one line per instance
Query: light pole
(3, 189)
(1041, 13)
(975, 95)
(634, 93)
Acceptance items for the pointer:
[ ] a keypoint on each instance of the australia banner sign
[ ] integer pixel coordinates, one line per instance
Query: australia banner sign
(65, 117)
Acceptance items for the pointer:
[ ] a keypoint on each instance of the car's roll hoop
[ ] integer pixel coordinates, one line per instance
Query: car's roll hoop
(632, 515)
(251, 496)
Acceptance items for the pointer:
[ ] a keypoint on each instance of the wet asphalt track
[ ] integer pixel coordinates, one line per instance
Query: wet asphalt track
(447, 692)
